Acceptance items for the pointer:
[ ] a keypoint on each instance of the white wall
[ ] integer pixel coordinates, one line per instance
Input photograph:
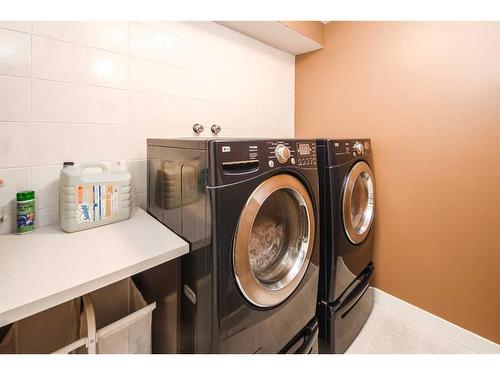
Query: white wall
(76, 91)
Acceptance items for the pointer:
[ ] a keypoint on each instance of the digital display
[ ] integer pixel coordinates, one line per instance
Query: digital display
(304, 149)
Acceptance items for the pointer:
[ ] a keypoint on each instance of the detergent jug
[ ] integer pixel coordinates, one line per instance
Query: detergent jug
(90, 195)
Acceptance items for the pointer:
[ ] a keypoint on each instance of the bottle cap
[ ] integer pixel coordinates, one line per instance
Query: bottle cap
(25, 195)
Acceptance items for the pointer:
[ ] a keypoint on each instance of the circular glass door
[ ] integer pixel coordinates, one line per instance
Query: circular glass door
(274, 240)
(358, 202)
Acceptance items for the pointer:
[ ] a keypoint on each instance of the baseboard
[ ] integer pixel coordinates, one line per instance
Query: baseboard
(439, 325)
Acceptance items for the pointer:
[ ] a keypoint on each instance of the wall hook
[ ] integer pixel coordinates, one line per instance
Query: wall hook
(215, 129)
(198, 128)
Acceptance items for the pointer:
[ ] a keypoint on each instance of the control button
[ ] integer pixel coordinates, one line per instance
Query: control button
(359, 147)
(282, 153)
(292, 160)
(271, 163)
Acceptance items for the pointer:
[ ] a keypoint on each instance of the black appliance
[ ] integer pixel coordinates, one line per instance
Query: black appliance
(248, 208)
(347, 209)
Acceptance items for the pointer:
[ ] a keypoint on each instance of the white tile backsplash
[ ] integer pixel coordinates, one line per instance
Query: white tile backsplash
(46, 216)
(67, 31)
(147, 76)
(107, 106)
(56, 143)
(179, 52)
(15, 53)
(24, 26)
(57, 101)
(44, 180)
(14, 99)
(15, 138)
(139, 200)
(146, 42)
(111, 36)
(138, 170)
(57, 60)
(149, 109)
(107, 69)
(104, 142)
(155, 25)
(178, 81)
(16, 180)
(95, 91)
(9, 224)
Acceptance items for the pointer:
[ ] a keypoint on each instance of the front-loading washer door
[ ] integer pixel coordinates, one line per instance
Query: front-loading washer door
(358, 202)
(274, 240)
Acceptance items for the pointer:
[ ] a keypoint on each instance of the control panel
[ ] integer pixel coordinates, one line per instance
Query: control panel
(347, 149)
(236, 160)
(239, 157)
(296, 153)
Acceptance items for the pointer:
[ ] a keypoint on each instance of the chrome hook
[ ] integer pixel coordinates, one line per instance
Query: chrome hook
(198, 128)
(215, 129)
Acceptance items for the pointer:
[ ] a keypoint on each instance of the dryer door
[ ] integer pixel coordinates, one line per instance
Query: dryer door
(274, 240)
(358, 202)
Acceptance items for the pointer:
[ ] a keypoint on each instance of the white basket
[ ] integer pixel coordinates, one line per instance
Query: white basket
(128, 335)
(43, 332)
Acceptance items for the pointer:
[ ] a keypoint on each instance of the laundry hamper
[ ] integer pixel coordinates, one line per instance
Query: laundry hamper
(115, 320)
(44, 332)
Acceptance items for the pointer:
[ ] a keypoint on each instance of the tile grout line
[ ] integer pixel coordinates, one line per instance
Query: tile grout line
(30, 123)
(16, 30)
(128, 74)
(85, 99)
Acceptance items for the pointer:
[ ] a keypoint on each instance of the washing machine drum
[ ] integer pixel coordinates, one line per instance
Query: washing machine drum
(274, 240)
(358, 202)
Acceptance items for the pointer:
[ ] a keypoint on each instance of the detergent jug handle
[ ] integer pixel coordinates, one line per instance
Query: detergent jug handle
(101, 166)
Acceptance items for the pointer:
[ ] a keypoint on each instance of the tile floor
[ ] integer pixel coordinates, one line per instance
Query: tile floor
(386, 332)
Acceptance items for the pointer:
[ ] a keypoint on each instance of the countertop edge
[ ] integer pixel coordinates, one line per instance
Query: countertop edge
(45, 303)
(17, 312)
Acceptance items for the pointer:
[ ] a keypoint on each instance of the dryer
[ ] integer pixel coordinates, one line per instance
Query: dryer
(248, 209)
(347, 207)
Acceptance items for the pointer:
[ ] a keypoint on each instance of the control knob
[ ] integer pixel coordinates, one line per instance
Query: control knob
(282, 153)
(358, 147)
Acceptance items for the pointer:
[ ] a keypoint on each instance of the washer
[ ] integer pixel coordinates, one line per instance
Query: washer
(250, 281)
(347, 206)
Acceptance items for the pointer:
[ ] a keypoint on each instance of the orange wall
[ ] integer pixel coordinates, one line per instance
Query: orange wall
(312, 29)
(428, 95)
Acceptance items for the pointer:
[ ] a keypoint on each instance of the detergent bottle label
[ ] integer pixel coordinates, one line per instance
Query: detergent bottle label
(96, 202)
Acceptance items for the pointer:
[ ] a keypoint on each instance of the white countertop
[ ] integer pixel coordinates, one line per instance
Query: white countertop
(48, 267)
